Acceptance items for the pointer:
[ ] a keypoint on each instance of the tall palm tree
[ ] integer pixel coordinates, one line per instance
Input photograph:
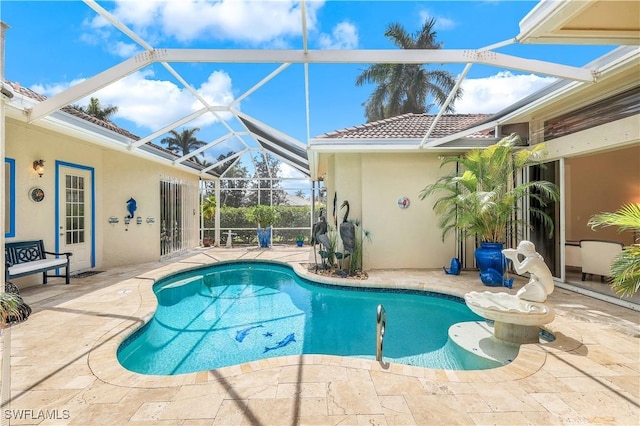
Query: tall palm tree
(96, 110)
(625, 268)
(183, 142)
(404, 88)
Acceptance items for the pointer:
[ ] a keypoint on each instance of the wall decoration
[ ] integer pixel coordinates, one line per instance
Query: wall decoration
(36, 194)
(403, 202)
(132, 206)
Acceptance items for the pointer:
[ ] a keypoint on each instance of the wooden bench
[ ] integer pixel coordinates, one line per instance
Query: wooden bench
(29, 257)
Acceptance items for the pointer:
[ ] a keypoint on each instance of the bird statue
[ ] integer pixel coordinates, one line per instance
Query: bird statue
(320, 227)
(319, 236)
(347, 231)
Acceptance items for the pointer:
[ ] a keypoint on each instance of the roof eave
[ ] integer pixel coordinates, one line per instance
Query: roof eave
(84, 130)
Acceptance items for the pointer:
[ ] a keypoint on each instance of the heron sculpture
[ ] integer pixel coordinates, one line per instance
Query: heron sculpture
(319, 236)
(347, 233)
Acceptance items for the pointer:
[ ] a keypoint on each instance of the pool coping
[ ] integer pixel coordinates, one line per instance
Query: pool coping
(103, 362)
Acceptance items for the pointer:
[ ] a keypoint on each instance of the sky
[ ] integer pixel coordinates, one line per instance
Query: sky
(52, 45)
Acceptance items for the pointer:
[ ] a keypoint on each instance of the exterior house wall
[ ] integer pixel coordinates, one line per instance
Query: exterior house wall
(132, 177)
(602, 173)
(400, 238)
(118, 176)
(33, 221)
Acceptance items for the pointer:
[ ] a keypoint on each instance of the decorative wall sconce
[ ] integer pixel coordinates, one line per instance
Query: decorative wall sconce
(38, 166)
(113, 220)
(127, 219)
(139, 220)
(151, 219)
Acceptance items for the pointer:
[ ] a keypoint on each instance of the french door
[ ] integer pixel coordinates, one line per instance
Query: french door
(74, 220)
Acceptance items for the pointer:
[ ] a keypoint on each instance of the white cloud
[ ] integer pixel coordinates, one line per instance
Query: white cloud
(286, 171)
(442, 23)
(494, 93)
(152, 103)
(123, 50)
(256, 22)
(343, 36)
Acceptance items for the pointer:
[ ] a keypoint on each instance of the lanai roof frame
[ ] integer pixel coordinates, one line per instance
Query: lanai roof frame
(543, 19)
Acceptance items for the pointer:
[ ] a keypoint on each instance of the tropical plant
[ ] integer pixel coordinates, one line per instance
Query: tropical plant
(482, 196)
(9, 308)
(263, 215)
(208, 207)
(404, 88)
(355, 262)
(184, 142)
(96, 110)
(625, 268)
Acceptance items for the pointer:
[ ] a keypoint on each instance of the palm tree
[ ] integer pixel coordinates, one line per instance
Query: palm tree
(625, 268)
(94, 109)
(183, 142)
(404, 88)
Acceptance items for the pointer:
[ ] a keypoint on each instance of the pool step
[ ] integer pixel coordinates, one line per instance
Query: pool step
(476, 338)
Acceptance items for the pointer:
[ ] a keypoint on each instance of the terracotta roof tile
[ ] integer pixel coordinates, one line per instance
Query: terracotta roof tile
(80, 114)
(411, 126)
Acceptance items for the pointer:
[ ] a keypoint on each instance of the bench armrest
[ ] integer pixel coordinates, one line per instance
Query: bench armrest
(59, 254)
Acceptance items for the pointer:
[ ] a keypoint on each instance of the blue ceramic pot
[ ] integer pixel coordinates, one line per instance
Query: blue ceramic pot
(491, 263)
(264, 236)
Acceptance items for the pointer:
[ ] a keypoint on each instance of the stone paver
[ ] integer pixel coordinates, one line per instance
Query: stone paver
(64, 369)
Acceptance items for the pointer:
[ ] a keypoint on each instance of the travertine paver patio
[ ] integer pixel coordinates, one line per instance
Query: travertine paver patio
(64, 365)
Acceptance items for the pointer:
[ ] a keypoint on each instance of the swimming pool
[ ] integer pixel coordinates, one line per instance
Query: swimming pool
(237, 312)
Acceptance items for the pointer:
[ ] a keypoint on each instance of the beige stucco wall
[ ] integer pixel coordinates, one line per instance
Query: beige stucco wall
(127, 177)
(118, 176)
(373, 183)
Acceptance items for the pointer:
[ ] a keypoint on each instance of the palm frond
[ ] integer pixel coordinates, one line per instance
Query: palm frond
(625, 270)
(626, 218)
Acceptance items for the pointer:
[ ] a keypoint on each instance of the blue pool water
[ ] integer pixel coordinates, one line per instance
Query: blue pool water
(234, 313)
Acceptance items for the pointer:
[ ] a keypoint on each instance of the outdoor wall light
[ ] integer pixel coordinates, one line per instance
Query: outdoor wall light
(38, 166)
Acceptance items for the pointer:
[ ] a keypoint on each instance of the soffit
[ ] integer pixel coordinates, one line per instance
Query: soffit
(614, 22)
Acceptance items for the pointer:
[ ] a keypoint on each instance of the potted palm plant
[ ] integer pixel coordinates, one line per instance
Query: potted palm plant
(264, 217)
(482, 198)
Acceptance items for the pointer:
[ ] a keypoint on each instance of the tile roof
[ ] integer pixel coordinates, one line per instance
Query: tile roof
(412, 126)
(80, 114)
